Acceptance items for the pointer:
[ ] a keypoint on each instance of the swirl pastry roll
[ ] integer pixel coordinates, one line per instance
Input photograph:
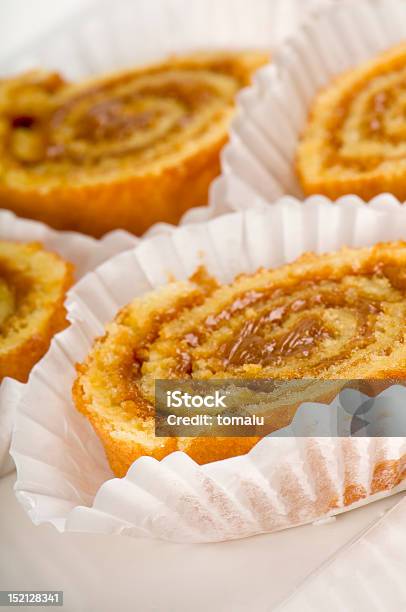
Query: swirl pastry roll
(33, 284)
(331, 317)
(355, 139)
(122, 151)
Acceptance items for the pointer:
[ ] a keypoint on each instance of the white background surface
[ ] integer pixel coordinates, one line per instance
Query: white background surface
(22, 21)
(106, 573)
(117, 573)
(368, 575)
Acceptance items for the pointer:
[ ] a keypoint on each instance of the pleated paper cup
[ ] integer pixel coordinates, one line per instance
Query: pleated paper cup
(110, 35)
(63, 475)
(85, 253)
(258, 164)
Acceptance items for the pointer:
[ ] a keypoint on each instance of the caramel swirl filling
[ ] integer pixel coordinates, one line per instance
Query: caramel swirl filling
(7, 302)
(273, 333)
(328, 318)
(33, 283)
(355, 139)
(334, 316)
(16, 290)
(49, 128)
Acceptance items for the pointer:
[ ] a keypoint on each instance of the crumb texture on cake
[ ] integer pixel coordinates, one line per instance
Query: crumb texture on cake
(122, 151)
(33, 284)
(354, 140)
(325, 317)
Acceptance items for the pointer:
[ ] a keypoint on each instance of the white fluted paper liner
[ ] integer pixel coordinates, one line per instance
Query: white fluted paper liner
(63, 476)
(113, 35)
(258, 162)
(85, 253)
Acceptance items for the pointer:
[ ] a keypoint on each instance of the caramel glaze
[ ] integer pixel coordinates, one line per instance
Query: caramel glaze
(270, 326)
(261, 340)
(103, 113)
(108, 119)
(251, 347)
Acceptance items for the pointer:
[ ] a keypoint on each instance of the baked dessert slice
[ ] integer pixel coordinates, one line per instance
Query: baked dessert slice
(355, 138)
(334, 317)
(33, 284)
(122, 151)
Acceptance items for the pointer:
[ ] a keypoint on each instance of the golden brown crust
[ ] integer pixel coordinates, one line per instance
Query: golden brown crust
(102, 156)
(139, 202)
(332, 318)
(354, 138)
(38, 281)
(122, 453)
